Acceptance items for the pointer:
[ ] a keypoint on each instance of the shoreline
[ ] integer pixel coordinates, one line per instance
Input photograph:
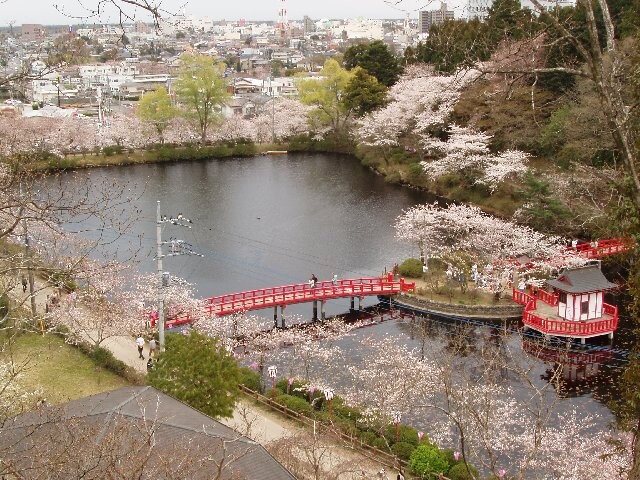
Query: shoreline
(487, 313)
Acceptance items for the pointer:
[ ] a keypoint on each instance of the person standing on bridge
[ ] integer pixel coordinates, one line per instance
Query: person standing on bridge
(334, 280)
(314, 280)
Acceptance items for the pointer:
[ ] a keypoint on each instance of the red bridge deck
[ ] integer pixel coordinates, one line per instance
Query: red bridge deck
(303, 292)
(290, 294)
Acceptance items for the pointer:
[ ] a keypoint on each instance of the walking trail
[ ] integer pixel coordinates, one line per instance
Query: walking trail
(258, 423)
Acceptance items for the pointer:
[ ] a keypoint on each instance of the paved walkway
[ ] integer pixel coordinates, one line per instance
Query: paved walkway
(265, 426)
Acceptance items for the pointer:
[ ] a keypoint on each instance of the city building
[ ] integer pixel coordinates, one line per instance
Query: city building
(309, 25)
(434, 17)
(33, 31)
(478, 9)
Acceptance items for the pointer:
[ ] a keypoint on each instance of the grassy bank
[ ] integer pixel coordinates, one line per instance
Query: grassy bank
(114, 156)
(60, 371)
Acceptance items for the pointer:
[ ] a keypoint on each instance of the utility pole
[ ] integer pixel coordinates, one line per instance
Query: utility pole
(178, 247)
(159, 258)
(28, 260)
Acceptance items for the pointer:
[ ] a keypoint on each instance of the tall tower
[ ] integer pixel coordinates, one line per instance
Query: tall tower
(283, 22)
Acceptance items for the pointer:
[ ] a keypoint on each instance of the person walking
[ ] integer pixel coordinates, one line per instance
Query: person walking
(140, 344)
(152, 348)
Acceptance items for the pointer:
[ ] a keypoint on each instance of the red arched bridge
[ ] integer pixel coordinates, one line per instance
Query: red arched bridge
(602, 248)
(354, 288)
(290, 294)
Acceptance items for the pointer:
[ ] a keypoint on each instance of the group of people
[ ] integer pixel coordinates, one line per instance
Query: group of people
(313, 281)
(382, 474)
(140, 343)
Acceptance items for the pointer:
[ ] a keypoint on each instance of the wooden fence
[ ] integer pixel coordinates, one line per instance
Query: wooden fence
(373, 453)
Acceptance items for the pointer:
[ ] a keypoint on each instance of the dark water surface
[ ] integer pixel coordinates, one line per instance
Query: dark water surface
(275, 220)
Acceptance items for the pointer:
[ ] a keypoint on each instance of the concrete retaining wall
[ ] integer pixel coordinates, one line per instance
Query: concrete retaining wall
(488, 312)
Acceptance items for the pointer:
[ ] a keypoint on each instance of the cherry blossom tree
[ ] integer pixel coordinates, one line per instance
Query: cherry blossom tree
(471, 408)
(14, 397)
(420, 105)
(491, 241)
(304, 351)
(417, 101)
(466, 148)
(286, 118)
(112, 300)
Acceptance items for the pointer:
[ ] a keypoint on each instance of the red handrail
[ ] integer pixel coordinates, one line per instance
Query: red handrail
(599, 248)
(546, 297)
(520, 297)
(297, 293)
(572, 328)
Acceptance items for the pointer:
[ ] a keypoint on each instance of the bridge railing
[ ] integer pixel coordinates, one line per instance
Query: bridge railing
(599, 248)
(296, 293)
(301, 292)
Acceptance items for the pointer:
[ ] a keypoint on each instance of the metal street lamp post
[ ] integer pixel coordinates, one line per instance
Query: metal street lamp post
(328, 394)
(272, 371)
(397, 416)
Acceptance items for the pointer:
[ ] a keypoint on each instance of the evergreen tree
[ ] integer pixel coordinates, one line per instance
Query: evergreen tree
(198, 370)
(364, 93)
(377, 59)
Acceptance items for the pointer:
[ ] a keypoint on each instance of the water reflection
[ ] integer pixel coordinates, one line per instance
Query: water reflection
(575, 370)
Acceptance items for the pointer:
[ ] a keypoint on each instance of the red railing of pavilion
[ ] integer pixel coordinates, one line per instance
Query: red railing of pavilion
(563, 327)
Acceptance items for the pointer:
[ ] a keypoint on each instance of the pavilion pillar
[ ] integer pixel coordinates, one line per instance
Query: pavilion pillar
(322, 313)
(352, 304)
(282, 316)
(275, 316)
(610, 335)
(583, 340)
(315, 310)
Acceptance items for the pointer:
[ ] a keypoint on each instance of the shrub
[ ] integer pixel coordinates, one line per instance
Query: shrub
(111, 150)
(403, 450)
(460, 472)
(406, 434)
(295, 389)
(380, 444)
(250, 379)
(343, 410)
(428, 461)
(296, 404)
(368, 437)
(411, 268)
(415, 173)
(393, 177)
